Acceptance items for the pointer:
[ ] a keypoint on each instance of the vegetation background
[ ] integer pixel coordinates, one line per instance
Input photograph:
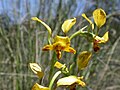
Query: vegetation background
(22, 39)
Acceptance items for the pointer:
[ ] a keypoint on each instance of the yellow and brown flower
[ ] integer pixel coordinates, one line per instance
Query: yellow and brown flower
(98, 40)
(60, 44)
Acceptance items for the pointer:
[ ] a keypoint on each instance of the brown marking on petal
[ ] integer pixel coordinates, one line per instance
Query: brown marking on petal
(96, 47)
(102, 14)
(58, 52)
(72, 51)
(73, 86)
(47, 47)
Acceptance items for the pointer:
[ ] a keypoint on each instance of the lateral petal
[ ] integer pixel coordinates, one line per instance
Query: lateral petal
(99, 16)
(66, 26)
(39, 87)
(70, 80)
(83, 59)
(69, 49)
(91, 23)
(47, 27)
(36, 69)
(47, 47)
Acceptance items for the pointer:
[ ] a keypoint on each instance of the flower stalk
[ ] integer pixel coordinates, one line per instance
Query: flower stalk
(78, 32)
(53, 79)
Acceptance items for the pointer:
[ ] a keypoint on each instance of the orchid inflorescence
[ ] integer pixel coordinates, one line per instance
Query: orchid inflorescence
(63, 43)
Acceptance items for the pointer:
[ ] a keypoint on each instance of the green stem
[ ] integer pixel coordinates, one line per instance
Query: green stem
(77, 33)
(52, 66)
(53, 79)
(97, 31)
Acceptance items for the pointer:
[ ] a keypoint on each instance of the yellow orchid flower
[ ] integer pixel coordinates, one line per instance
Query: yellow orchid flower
(36, 69)
(98, 40)
(99, 17)
(39, 87)
(60, 44)
(71, 81)
(66, 26)
(83, 59)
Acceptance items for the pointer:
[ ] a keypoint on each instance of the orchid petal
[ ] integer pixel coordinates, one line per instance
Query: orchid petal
(99, 16)
(36, 69)
(83, 59)
(66, 26)
(39, 87)
(70, 80)
(48, 28)
(91, 23)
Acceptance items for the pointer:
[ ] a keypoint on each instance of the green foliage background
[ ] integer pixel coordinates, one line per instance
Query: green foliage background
(21, 42)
